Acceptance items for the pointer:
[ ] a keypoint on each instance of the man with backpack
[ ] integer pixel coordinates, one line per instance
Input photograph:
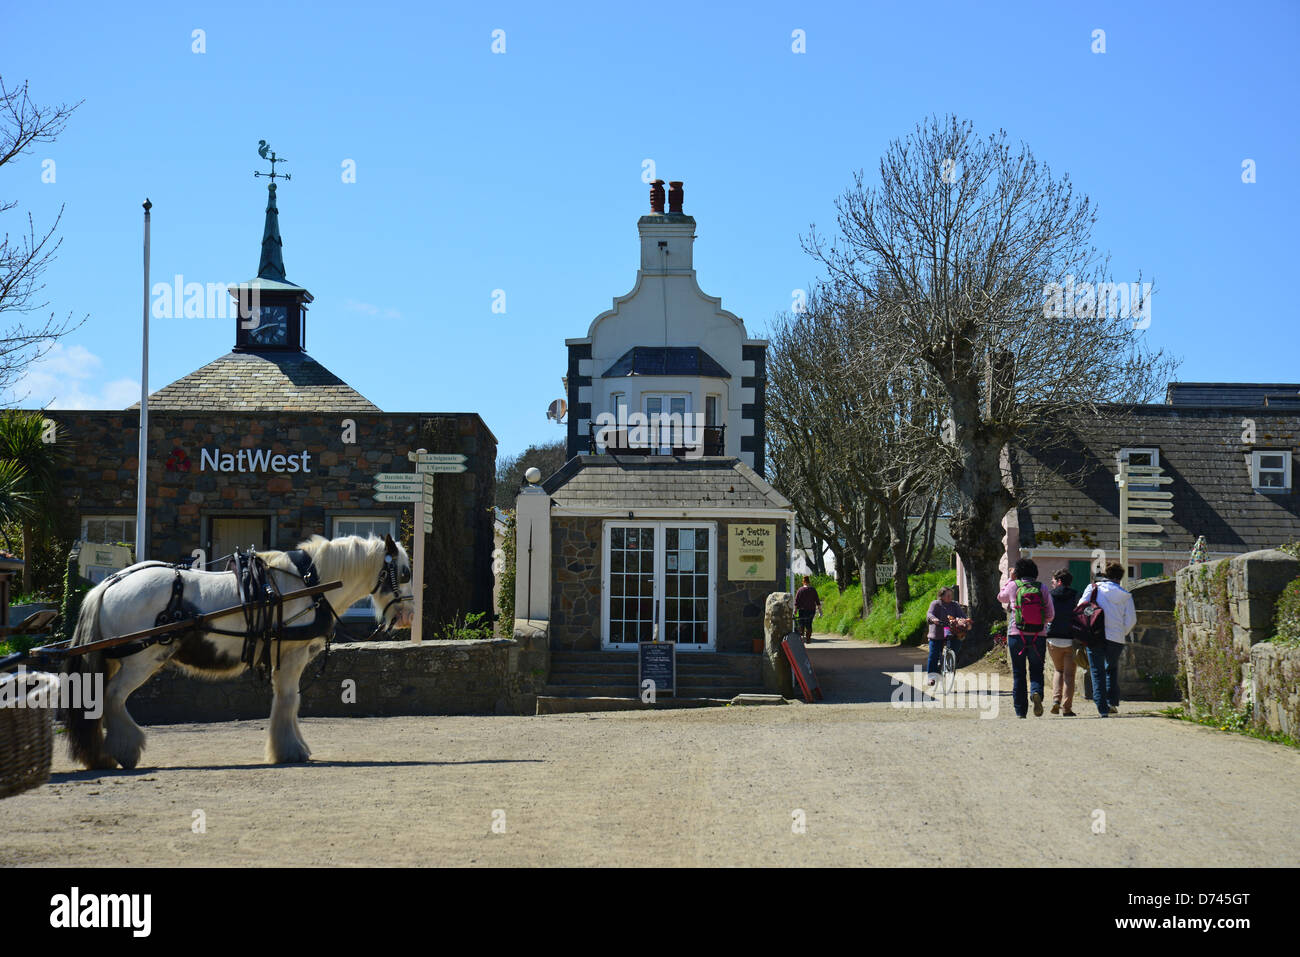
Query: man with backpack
(1119, 617)
(1030, 614)
(1060, 644)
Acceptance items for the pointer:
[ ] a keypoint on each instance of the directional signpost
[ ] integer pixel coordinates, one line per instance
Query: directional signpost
(437, 463)
(416, 488)
(1144, 504)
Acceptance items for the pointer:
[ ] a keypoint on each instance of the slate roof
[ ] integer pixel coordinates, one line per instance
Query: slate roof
(661, 481)
(1201, 449)
(1234, 394)
(667, 360)
(260, 382)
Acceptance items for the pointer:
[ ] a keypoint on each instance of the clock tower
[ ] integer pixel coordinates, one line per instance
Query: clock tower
(272, 311)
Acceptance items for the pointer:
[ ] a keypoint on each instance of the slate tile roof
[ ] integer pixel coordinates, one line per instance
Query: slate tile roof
(1237, 394)
(260, 382)
(661, 481)
(1201, 449)
(667, 360)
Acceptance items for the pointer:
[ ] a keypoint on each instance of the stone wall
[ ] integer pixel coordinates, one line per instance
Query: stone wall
(100, 479)
(576, 556)
(1149, 665)
(497, 676)
(1225, 609)
(1275, 686)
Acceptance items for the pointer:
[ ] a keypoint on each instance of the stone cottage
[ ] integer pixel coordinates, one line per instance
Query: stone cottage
(660, 526)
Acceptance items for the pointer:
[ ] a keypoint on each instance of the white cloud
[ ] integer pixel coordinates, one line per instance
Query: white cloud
(370, 309)
(69, 377)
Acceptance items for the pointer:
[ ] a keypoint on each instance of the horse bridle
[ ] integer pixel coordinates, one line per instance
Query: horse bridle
(387, 582)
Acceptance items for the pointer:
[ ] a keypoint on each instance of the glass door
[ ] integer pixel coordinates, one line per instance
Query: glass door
(667, 415)
(659, 583)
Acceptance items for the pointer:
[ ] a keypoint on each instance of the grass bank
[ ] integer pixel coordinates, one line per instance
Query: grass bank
(840, 612)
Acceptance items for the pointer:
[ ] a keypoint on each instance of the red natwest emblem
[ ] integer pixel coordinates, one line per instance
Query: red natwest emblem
(178, 461)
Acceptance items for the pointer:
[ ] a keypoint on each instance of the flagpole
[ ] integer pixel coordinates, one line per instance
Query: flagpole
(141, 526)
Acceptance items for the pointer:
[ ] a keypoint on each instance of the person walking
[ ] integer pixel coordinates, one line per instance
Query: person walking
(1060, 645)
(1029, 616)
(1120, 617)
(943, 615)
(807, 604)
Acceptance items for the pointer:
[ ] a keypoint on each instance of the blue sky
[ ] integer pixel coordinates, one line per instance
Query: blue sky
(522, 171)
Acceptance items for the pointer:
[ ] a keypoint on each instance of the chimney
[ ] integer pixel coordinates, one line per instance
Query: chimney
(666, 240)
(674, 197)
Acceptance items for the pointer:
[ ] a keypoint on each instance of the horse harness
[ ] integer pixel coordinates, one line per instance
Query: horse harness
(263, 609)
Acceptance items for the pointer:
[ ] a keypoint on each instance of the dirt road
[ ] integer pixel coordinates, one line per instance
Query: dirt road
(871, 783)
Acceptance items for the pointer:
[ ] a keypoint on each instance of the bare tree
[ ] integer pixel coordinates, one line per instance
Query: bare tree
(957, 249)
(26, 254)
(851, 435)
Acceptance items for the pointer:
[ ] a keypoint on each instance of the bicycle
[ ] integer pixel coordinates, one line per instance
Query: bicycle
(948, 666)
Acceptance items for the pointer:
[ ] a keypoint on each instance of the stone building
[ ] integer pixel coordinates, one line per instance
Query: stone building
(660, 526)
(264, 446)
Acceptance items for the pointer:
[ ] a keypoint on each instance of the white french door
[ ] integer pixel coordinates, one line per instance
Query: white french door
(658, 582)
(669, 410)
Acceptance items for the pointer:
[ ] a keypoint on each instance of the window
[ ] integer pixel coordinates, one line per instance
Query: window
(1270, 471)
(711, 410)
(107, 529)
(363, 525)
(1140, 457)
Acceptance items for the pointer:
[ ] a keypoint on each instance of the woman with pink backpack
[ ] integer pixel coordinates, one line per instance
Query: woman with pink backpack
(1029, 614)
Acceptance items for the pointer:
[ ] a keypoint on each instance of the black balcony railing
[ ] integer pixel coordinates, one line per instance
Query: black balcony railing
(667, 440)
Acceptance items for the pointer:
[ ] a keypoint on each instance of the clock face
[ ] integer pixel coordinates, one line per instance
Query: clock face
(273, 329)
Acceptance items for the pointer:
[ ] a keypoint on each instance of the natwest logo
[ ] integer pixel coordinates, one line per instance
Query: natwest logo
(253, 460)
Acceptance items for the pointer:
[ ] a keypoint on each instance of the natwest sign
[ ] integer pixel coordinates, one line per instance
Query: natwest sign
(253, 460)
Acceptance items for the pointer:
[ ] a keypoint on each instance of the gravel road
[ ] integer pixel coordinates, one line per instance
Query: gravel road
(854, 780)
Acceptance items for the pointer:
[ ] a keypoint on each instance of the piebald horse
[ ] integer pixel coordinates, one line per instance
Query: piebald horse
(131, 601)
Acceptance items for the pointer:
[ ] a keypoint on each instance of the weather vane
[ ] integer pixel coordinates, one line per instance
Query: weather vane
(264, 150)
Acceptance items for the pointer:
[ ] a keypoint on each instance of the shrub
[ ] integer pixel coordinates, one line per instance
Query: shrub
(467, 627)
(1287, 622)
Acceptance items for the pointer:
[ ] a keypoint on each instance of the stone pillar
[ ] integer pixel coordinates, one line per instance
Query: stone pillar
(778, 621)
(533, 554)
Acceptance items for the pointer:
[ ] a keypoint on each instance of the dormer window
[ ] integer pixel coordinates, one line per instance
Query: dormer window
(1270, 471)
(1144, 456)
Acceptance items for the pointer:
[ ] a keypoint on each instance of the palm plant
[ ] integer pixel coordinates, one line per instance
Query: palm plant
(32, 465)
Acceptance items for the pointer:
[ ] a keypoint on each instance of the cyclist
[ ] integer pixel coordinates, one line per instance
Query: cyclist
(807, 603)
(948, 623)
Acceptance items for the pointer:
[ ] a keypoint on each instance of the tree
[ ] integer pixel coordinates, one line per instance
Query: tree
(25, 257)
(547, 457)
(956, 249)
(36, 463)
(850, 434)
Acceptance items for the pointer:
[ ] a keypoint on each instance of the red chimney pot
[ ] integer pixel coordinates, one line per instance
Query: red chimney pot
(657, 196)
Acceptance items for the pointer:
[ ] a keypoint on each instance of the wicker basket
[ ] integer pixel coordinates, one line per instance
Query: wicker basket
(26, 737)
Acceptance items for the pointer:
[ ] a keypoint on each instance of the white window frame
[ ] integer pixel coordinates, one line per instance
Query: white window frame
(86, 519)
(717, 409)
(667, 398)
(1256, 470)
(365, 607)
(661, 605)
(1123, 456)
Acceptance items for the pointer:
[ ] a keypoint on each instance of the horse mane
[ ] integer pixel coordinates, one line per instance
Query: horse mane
(339, 559)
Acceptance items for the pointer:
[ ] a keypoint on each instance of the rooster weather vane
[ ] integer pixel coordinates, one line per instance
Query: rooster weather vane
(264, 150)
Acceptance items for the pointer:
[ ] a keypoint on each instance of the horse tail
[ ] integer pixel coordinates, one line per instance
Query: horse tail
(85, 734)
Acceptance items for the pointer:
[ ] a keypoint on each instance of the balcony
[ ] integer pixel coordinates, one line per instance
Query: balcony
(668, 440)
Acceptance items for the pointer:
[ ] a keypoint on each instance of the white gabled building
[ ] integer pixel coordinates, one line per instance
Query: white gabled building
(668, 348)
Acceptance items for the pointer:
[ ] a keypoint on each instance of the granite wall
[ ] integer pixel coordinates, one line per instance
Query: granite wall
(367, 679)
(1225, 611)
(186, 490)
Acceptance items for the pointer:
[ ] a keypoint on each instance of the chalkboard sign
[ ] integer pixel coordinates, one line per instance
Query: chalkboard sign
(802, 667)
(657, 662)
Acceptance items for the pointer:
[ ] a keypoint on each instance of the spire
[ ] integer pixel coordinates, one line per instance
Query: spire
(272, 263)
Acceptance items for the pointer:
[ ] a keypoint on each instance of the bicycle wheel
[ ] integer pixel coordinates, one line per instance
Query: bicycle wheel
(948, 680)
